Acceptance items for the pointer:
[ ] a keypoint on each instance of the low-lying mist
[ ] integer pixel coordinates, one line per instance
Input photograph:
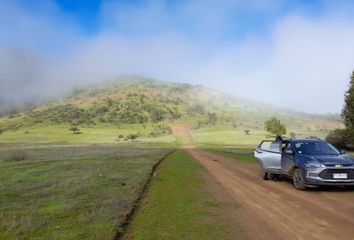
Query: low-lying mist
(300, 62)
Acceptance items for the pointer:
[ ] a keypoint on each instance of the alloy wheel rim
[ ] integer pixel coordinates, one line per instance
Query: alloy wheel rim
(297, 178)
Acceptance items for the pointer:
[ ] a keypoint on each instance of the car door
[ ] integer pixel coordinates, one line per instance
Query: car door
(268, 154)
(287, 158)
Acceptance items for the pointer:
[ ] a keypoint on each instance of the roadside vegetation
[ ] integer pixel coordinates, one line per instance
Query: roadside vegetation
(178, 206)
(70, 192)
(343, 138)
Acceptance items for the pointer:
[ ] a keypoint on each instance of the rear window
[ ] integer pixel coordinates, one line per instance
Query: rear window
(272, 146)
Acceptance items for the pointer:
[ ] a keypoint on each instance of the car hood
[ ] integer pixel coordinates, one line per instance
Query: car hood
(329, 159)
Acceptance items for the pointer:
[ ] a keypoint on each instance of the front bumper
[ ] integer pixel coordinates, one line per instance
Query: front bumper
(324, 176)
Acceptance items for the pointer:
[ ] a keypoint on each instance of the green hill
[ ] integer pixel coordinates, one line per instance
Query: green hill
(146, 108)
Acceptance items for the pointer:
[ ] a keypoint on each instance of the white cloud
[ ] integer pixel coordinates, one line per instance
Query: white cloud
(302, 62)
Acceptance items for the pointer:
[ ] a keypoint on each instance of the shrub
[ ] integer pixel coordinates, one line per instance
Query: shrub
(132, 136)
(120, 136)
(212, 118)
(247, 131)
(160, 130)
(338, 138)
(75, 130)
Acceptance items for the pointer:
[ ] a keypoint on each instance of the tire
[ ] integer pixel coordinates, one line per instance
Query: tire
(298, 179)
(276, 177)
(265, 175)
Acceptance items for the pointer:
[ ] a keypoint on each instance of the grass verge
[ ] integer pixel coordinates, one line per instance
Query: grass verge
(177, 206)
(70, 192)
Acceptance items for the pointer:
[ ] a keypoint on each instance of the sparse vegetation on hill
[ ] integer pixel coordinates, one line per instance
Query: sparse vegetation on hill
(154, 106)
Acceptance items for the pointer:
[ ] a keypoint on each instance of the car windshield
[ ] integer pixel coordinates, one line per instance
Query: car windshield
(316, 148)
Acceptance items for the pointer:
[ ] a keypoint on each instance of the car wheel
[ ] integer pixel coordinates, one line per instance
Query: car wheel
(276, 177)
(298, 179)
(265, 175)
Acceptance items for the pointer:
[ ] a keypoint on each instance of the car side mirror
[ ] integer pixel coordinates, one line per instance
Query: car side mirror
(342, 151)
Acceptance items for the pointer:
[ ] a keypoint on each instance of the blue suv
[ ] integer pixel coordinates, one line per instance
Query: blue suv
(308, 162)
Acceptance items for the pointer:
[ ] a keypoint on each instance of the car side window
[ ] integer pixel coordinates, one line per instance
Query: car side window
(287, 147)
(272, 146)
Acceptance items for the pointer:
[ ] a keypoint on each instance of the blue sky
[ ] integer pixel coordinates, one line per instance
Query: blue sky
(262, 50)
(238, 19)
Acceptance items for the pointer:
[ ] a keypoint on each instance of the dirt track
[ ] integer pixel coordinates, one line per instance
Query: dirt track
(275, 210)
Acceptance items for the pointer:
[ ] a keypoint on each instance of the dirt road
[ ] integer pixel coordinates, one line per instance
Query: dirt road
(275, 210)
(183, 132)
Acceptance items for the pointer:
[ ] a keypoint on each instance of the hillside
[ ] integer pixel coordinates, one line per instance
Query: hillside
(147, 108)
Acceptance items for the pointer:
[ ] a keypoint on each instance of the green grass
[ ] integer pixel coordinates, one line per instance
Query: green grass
(243, 155)
(69, 192)
(177, 206)
(226, 135)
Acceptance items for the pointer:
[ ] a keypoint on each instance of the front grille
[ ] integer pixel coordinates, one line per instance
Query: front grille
(328, 173)
(334, 165)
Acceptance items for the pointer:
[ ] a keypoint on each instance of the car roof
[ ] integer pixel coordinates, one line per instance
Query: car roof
(305, 140)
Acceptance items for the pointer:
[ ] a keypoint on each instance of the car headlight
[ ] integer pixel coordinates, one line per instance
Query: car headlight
(312, 164)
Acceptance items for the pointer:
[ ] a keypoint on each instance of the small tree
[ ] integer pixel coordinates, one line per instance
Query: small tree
(293, 135)
(247, 131)
(348, 115)
(274, 126)
(75, 130)
(348, 109)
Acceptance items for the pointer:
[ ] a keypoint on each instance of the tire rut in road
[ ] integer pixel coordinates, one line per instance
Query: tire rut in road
(285, 212)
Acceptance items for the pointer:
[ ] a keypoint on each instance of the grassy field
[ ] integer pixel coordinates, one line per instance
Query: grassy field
(225, 135)
(243, 155)
(215, 135)
(61, 134)
(69, 192)
(177, 206)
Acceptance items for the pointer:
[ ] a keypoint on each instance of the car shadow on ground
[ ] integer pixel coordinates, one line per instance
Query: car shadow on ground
(319, 188)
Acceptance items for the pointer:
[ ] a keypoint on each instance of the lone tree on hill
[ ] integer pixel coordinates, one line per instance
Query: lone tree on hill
(274, 126)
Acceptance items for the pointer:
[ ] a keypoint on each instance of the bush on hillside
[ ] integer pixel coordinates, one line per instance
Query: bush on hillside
(160, 130)
(132, 137)
(212, 118)
(75, 130)
(338, 138)
(120, 137)
(292, 135)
